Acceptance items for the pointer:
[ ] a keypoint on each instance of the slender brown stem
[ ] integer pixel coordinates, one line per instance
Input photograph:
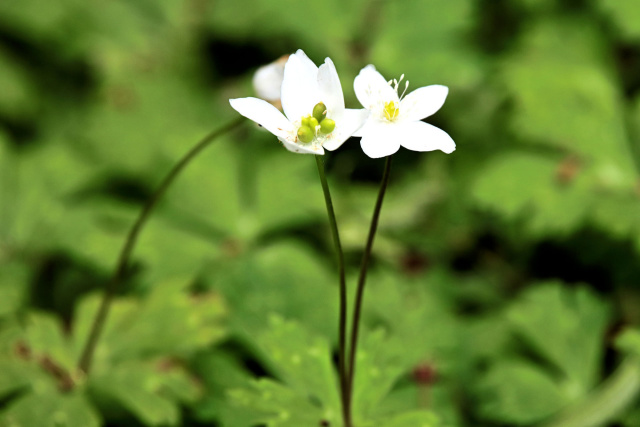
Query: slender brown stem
(84, 364)
(355, 325)
(342, 328)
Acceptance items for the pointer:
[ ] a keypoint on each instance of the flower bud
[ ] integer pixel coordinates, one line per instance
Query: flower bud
(305, 134)
(327, 126)
(320, 111)
(267, 80)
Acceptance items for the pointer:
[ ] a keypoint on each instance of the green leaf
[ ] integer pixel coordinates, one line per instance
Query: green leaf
(519, 393)
(138, 388)
(13, 287)
(526, 187)
(280, 406)
(221, 372)
(604, 404)
(284, 278)
(40, 18)
(308, 393)
(176, 382)
(19, 98)
(413, 419)
(439, 397)
(565, 96)
(629, 341)
(15, 375)
(302, 360)
(436, 53)
(36, 182)
(377, 369)
(248, 197)
(170, 321)
(45, 338)
(566, 326)
(394, 341)
(625, 14)
(619, 214)
(290, 18)
(403, 308)
(51, 410)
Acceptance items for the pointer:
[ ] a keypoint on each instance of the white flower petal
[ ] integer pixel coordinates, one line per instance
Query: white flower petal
(420, 136)
(299, 86)
(302, 148)
(351, 121)
(379, 139)
(331, 90)
(422, 102)
(309, 66)
(263, 113)
(369, 121)
(372, 89)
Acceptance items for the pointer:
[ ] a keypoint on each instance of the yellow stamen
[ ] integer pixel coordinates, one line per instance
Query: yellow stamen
(391, 110)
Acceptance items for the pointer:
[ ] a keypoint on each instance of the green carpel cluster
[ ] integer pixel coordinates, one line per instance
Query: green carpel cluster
(316, 123)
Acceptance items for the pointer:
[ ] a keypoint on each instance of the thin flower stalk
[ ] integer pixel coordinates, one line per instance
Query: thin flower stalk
(362, 278)
(342, 324)
(84, 363)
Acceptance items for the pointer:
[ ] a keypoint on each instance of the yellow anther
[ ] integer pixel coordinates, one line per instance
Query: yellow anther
(391, 110)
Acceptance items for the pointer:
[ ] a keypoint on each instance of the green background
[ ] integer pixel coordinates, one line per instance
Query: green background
(504, 288)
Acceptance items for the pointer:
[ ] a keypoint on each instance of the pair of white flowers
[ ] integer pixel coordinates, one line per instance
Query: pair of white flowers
(315, 117)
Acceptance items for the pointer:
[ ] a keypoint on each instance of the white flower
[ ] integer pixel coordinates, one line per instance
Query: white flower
(396, 121)
(313, 105)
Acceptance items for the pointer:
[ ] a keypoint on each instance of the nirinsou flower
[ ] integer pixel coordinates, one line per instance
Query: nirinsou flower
(396, 120)
(314, 114)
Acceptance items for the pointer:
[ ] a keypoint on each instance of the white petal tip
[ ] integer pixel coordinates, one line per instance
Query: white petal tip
(449, 150)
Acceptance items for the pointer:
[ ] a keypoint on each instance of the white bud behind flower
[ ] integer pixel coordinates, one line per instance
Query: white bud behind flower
(267, 81)
(314, 117)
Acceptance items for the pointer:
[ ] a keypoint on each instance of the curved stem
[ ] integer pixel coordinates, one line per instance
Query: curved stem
(355, 325)
(342, 330)
(84, 364)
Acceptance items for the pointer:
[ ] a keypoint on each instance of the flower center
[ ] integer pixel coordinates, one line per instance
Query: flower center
(391, 110)
(315, 124)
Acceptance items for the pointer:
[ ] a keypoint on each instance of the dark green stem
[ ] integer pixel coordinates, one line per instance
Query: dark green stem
(355, 325)
(346, 414)
(84, 364)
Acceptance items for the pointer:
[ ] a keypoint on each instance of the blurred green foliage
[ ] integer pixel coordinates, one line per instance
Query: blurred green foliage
(504, 288)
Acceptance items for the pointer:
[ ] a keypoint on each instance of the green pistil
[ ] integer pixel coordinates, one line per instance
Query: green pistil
(306, 134)
(327, 126)
(316, 123)
(319, 112)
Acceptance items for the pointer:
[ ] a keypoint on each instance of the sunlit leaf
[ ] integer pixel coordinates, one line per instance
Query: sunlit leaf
(52, 410)
(566, 326)
(519, 393)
